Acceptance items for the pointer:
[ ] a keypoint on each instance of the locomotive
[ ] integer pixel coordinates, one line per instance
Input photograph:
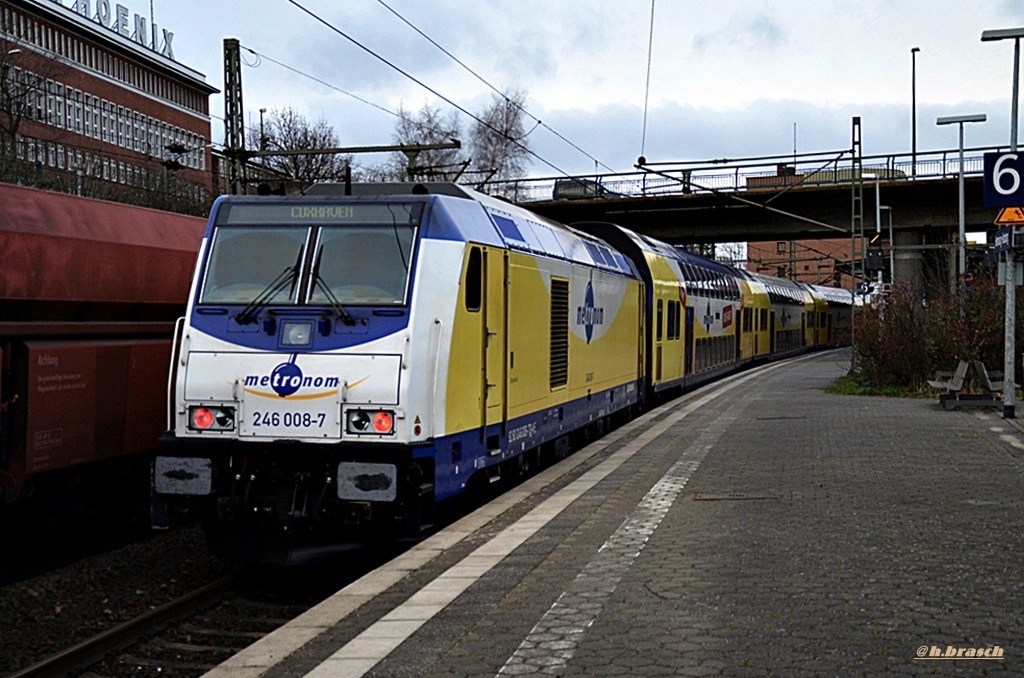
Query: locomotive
(352, 359)
(89, 293)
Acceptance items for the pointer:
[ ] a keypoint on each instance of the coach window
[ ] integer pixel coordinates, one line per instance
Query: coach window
(661, 314)
(474, 280)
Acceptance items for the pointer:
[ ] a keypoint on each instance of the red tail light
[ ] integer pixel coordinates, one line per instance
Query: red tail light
(202, 418)
(383, 423)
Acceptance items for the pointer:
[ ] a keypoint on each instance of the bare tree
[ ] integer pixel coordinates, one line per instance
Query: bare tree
(24, 97)
(497, 142)
(288, 130)
(497, 151)
(428, 126)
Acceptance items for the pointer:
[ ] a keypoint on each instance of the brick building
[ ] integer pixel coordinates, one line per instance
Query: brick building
(94, 102)
(810, 261)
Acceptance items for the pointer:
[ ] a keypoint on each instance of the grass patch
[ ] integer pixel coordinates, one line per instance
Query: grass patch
(847, 385)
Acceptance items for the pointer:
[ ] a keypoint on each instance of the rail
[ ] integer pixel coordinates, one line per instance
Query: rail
(743, 174)
(92, 649)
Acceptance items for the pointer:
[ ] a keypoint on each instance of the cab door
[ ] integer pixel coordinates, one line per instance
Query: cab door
(495, 344)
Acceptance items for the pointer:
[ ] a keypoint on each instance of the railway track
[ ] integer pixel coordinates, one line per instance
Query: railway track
(192, 634)
(128, 634)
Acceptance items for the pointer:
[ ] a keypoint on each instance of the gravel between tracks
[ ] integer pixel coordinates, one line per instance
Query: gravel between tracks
(52, 611)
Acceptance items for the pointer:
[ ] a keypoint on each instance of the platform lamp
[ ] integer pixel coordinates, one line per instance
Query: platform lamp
(263, 138)
(913, 110)
(878, 217)
(960, 120)
(1009, 337)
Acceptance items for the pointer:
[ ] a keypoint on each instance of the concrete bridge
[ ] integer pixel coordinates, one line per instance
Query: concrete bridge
(792, 198)
(724, 201)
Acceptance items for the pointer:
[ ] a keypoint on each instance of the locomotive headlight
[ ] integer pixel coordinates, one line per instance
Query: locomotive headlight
(358, 422)
(211, 418)
(380, 422)
(296, 333)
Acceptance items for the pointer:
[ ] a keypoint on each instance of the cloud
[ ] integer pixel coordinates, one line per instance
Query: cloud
(751, 31)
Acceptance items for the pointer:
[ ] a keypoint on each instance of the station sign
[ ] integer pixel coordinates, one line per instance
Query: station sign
(1008, 238)
(1003, 184)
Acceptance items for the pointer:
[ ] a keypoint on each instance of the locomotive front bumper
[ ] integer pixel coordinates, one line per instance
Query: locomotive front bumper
(183, 469)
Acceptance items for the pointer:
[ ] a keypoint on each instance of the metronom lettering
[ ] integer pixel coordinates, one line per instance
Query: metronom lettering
(294, 382)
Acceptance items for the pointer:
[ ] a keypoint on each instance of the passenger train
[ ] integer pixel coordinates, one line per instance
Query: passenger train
(348, 363)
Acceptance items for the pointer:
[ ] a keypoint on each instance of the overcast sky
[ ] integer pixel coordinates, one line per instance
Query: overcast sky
(728, 78)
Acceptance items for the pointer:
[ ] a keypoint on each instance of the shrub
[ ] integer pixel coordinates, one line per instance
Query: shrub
(902, 342)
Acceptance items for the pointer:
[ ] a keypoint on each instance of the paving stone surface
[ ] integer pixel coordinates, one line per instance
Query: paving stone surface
(778, 530)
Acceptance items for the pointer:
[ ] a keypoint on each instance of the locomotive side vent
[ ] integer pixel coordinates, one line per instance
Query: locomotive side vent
(559, 333)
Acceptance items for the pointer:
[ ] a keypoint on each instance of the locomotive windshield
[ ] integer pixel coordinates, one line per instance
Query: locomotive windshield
(311, 252)
(362, 264)
(248, 262)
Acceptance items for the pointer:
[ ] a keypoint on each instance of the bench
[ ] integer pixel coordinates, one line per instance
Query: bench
(991, 384)
(953, 384)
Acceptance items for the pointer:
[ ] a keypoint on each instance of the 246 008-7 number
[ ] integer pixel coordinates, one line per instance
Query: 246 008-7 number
(288, 419)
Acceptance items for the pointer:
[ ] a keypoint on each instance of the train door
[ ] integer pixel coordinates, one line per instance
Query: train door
(495, 341)
(659, 325)
(771, 334)
(689, 340)
(738, 336)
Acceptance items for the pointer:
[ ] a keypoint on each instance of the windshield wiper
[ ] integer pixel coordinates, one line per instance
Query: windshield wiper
(284, 278)
(345, 316)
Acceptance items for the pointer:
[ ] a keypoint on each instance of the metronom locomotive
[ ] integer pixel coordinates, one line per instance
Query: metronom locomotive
(349, 362)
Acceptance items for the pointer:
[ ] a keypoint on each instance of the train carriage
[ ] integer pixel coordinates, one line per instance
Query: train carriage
(815, 308)
(835, 315)
(752, 322)
(350, 361)
(788, 317)
(714, 294)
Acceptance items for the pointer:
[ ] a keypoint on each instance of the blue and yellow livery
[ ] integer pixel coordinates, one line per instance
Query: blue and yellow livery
(349, 362)
(353, 360)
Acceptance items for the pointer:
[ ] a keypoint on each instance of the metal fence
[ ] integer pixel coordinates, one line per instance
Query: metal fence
(749, 174)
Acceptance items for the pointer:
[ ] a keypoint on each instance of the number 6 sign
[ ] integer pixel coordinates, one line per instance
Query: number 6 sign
(1003, 184)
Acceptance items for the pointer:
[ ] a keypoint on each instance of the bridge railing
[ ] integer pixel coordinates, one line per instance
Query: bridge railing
(766, 173)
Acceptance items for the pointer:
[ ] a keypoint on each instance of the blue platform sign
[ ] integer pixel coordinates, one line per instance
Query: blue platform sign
(1004, 240)
(1004, 186)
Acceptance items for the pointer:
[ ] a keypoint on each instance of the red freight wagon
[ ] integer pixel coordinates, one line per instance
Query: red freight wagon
(89, 292)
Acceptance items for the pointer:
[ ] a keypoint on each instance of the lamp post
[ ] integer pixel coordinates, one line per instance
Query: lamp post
(878, 218)
(1009, 326)
(960, 120)
(913, 110)
(263, 139)
(892, 245)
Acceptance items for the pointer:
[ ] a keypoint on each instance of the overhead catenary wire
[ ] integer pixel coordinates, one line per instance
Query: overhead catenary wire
(425, 86)
(538, 122)
(647, 88)
(320, 81)
(263, 57)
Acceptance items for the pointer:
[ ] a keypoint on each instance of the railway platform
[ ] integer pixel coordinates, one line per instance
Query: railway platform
(756, 526)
